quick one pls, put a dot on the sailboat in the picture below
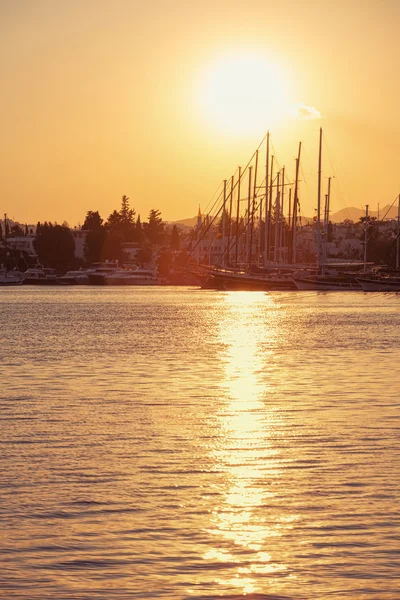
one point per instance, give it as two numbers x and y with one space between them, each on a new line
337 277
253 248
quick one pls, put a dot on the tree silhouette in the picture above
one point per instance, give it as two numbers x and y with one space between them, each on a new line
123 221
155 228
95 238
55 246
175 240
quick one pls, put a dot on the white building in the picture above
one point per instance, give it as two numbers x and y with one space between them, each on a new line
79 236
23 243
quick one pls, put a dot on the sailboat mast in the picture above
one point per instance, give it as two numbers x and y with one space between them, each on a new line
237 216
295 203
281 213
270 207
230 220
277 219
224 222
398 236
267 216
253 208
249 217
365 238
319 199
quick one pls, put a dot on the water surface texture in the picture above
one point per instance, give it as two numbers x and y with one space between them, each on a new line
185 444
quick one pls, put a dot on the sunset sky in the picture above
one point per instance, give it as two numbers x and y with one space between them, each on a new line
161 100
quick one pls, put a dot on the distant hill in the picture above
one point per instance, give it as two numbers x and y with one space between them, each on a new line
354 213
189 222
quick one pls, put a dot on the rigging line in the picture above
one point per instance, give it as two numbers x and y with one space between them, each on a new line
206 229
213 196
218 198
336 173
384 217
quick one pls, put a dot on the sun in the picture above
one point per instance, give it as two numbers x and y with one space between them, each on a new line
244 93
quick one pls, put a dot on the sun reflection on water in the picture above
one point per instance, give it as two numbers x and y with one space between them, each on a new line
245 452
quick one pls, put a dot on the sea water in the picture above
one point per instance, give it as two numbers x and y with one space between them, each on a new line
187 444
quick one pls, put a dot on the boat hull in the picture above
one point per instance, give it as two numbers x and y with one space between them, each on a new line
33 281
97 279
326 286
371 285
248 284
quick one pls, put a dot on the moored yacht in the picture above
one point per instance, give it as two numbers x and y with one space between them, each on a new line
11 277
80 277
223 279
117 276
39 275
379 284
327 283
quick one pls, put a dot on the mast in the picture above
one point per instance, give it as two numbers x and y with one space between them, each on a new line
237 216
249 217
266 220
253 209
326 226
224 223
230 220
295 203
281 213
319 199
365 238
276 219
398 236
270 208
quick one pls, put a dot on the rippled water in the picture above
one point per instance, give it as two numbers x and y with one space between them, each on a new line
176 443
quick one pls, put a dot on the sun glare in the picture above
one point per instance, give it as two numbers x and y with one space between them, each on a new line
244 94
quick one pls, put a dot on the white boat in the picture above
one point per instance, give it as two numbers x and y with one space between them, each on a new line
328 284
11 277
118 276
380 284
80 277
39 275
223 279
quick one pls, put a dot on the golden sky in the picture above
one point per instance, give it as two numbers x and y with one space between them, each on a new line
161 100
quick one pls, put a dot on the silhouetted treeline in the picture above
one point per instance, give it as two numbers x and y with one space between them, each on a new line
104 240
55 246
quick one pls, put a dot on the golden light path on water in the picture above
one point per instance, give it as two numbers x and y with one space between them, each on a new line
246 450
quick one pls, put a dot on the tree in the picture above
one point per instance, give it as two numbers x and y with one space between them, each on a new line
123 221
164 263
175 241
92 221
55 246
155 228
139 235
95 238
16 230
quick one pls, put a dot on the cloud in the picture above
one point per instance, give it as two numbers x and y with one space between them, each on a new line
303 112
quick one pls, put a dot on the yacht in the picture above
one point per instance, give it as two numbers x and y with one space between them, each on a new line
39 275
80 277
118 276
380 284
11 277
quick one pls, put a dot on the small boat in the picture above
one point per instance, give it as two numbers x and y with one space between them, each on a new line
80 277
119 276
11 277
222 279
380 284
328 284
39 275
